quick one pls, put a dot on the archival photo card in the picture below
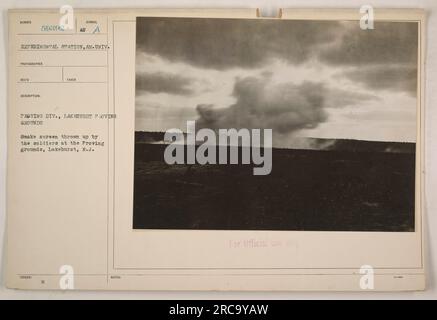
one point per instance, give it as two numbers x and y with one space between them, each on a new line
214 149
275 124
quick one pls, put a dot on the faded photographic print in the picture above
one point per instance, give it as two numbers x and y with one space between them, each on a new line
271 124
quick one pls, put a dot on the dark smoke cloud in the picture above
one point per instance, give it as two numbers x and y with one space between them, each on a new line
284 107
163 82
228 43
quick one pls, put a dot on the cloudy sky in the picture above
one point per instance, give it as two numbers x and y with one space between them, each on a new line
323 79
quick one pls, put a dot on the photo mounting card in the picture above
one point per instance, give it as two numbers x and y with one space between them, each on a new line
213 149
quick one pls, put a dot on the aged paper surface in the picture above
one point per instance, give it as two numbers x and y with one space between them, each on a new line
75 104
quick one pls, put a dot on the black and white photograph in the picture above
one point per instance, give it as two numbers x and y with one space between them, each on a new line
319 120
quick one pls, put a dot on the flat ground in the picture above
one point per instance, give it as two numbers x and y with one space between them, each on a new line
306 190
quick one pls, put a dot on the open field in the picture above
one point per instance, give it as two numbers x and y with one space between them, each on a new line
306 190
